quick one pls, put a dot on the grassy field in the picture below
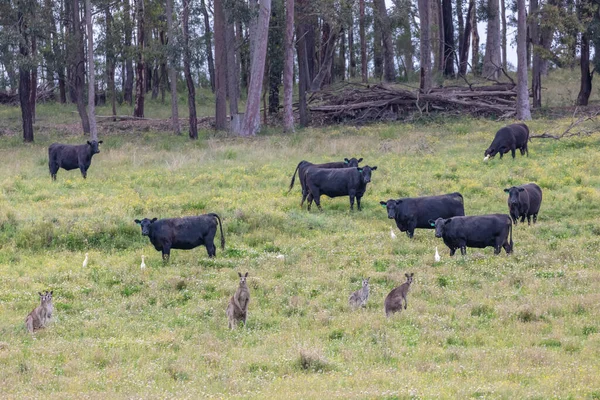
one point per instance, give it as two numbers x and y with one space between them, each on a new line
481 326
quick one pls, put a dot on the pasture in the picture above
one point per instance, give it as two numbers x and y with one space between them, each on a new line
481 326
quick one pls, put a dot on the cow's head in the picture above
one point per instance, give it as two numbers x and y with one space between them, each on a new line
440 226
145 224
365 173
391 206
94 145
243 278
490 152
352 162
513 195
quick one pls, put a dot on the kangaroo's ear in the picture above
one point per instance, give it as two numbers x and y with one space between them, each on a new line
412 274
40 293
137 221
52 291
406 275
239 274
506 190
154 219
368 279
360 159
245 276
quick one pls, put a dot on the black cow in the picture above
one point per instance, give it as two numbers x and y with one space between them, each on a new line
475 231
337 182
69 157
304 165
524 201
182 233
415 212
510 138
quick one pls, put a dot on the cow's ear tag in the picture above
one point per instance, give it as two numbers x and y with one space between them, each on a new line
383 205
432 223
360 170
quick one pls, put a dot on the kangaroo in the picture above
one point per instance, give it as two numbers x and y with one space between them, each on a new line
393 301
237 310
40 316
360 297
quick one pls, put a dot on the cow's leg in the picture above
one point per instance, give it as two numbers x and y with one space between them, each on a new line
53 170
83 170
211 249
513 151
304 196
528 219
534 218
452 251
463 247
506 246
497 249
166 253
523 218
318 203
358 203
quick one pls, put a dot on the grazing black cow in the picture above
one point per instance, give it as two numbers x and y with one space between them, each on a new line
415 212
182 233
524 201
69 157
475 231
304 165
510 138
337 182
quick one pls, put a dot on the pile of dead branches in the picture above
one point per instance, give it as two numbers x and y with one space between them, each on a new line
359 103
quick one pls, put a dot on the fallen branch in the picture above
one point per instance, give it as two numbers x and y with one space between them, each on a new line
574 123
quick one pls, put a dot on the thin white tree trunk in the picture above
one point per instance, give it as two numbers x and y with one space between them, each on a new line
251 123
288 68
523 112
91 72
172 71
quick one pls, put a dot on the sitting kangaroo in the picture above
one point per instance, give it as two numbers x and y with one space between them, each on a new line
40 316
360 297
393 301
237 310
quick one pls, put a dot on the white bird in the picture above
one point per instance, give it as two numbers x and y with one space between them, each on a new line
437 255
85 262
392 234
143 264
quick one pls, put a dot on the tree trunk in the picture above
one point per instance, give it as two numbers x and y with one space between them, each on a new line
208 42
546 34
233 73
91 71
436 33
523 112
25 78
475 44
310 26
503 16
536 77
140 88
461 26
33 86
172 71
351 50
325 69
377 48
220 67
464 53
425 46
288 68
155 79
363 43
187 55
386 37
110 61
303 71
449 49
128 28
492 58
585 88
79 68
275 54
251 124
341 61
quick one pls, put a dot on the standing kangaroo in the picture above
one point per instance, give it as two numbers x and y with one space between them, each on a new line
360 297
393 301
237 310
40 316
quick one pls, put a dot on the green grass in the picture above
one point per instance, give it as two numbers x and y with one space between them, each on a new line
519 326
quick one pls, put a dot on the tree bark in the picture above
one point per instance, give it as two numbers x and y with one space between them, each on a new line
461 25
351 50
79 68
363 42
288 68
449 49
128 28
188 74
341 61
233 73
251 123
91 72
140 88
220 67
503 17
475 45
33 86
377 48
303 70
172 66
389 70
25 78
208 42
326 63
492 58
110 61
523 112
275 54
425 46
464 53
536 78
585 88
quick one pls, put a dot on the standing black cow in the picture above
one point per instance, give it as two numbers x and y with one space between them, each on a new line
337 182
524 201
510 138
304 165
182 233
69 157
415 212
475 231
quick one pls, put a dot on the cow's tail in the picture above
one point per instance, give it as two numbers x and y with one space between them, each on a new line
221 227
294 177
510 227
